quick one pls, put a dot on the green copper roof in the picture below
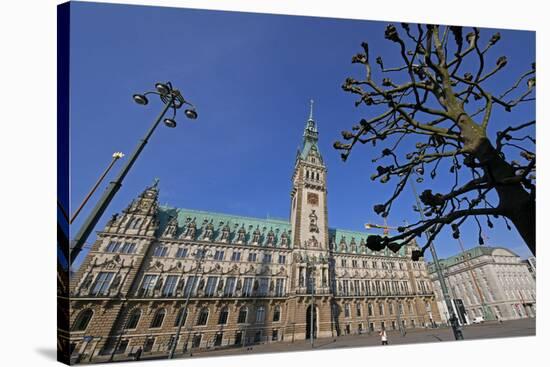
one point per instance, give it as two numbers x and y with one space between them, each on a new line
354 242
267 229
311 136
270 230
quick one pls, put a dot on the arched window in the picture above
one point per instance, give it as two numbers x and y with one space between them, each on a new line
243 315
82 321
203 316
224 313
182 313
277 314
317 176
133 319
307 174
158 318
260 314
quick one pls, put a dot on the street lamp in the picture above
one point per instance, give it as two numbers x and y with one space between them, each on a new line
200 255
172 99
453 319
116 156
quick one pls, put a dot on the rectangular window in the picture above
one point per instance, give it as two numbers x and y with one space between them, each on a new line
236 256
128 248
190 286
279 288
275 334
102 283
260 314
149 343
346 287
197 340
112 246
219 255
354 263
229 286
182 252
343 262
266 259
170 286
247 287
211 286
263 286
365 264
282 259
160 251
121 348
252 257
148 284
358 309
357 287
347 311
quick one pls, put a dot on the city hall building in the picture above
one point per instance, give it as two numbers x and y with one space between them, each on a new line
244 280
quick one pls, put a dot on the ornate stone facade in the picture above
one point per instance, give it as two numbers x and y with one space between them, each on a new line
247 280
488 282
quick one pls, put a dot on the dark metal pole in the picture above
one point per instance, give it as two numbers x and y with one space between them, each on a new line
116 156
114 186
452 317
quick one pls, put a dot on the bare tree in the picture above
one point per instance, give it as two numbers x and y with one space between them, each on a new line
447 111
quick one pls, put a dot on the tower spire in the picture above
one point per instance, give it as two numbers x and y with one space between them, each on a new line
311 110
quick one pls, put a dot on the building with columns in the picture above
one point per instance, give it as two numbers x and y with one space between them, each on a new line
489 282
244 280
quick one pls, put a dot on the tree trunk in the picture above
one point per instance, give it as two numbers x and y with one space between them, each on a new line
515 202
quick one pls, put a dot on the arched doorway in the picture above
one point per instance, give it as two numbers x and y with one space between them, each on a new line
308 323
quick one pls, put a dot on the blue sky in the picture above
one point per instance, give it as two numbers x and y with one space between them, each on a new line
251 77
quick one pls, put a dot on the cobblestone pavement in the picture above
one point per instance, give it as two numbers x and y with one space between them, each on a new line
515 328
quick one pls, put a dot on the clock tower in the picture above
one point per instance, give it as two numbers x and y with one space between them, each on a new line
308 215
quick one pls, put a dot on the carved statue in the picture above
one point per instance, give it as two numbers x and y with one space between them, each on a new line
201 284
313 222
115 282
312 242
87 282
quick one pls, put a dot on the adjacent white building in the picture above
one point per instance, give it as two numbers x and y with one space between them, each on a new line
489 282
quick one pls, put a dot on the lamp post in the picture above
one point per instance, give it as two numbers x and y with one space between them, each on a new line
172 99
457 332
116 156
199 256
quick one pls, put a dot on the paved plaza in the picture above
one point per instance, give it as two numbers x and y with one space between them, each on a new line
515 328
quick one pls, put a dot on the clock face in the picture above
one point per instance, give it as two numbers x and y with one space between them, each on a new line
312 198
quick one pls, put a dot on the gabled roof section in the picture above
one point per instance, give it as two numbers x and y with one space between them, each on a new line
354 242
271 231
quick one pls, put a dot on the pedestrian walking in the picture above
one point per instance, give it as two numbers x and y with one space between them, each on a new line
383 336
137 355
